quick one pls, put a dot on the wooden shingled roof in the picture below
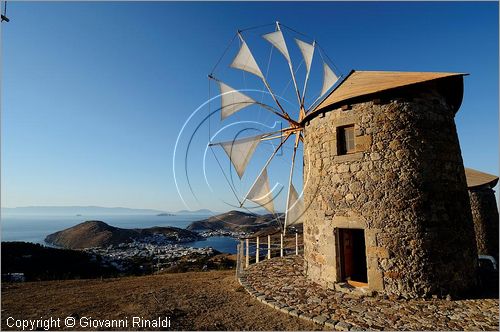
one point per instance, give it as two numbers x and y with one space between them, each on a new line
476 178
360 83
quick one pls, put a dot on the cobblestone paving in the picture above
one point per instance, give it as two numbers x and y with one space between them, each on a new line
280 283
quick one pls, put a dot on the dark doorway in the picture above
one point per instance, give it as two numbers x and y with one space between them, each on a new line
353 256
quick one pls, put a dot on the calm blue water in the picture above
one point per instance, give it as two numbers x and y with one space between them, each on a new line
221 243
31 228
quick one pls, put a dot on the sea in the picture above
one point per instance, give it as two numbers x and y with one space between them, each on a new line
34 228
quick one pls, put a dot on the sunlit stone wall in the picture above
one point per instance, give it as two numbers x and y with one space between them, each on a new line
404 185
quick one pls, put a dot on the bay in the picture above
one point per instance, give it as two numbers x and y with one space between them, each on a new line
34 228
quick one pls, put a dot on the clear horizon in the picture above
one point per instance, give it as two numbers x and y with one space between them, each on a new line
95 94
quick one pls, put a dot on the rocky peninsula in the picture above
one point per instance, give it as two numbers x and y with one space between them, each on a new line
94 233
236 223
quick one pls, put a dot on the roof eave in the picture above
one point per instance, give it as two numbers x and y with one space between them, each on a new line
313 113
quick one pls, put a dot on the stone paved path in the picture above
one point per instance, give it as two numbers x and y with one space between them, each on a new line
280 283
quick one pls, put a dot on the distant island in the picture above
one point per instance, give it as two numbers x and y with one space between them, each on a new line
200 212
94 233
97 210
79 210
196 212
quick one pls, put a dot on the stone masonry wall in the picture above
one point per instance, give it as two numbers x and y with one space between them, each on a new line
405 186
485 216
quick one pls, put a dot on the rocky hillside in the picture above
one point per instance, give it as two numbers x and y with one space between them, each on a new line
194 301
235 221
38 262
95 233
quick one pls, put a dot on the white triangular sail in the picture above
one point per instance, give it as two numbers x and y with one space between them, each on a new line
260 192
329 78
295 208
307 51
278 41
240 152
232 100
244 60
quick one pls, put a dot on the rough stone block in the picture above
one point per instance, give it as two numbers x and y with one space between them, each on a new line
348 157
379 252
278 305
330 323
371 237
363 143
343 168
346 120
372 262
375 280
305 316
319 319
392 274
375 156
285 309
342 326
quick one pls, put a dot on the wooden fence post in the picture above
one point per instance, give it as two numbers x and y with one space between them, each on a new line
247 258
269 247
281 245
257 251
238 252
240 256
296 244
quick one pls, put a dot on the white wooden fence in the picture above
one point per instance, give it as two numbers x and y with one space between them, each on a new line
253 250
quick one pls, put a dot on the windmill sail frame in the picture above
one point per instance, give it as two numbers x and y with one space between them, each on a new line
240 151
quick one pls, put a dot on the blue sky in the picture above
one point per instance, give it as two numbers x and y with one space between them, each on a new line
94 95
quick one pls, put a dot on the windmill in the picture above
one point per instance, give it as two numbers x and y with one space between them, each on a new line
240 151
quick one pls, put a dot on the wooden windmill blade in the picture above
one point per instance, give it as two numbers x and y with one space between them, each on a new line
240 151
329 80
307 51
278 41
245 61
261 183
294 204
295 208
234 100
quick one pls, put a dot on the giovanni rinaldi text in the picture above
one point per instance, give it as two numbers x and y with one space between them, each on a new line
86 322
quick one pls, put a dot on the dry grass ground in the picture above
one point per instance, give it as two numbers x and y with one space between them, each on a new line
193 301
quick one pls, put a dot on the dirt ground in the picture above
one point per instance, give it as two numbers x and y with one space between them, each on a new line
194 301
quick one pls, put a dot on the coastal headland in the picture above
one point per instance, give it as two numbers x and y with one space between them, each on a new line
110 251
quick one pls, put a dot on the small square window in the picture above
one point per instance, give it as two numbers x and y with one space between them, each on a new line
345 139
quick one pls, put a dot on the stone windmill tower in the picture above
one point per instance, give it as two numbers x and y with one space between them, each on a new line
484 210
387 206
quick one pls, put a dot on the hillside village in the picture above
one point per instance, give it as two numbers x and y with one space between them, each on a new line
159 256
